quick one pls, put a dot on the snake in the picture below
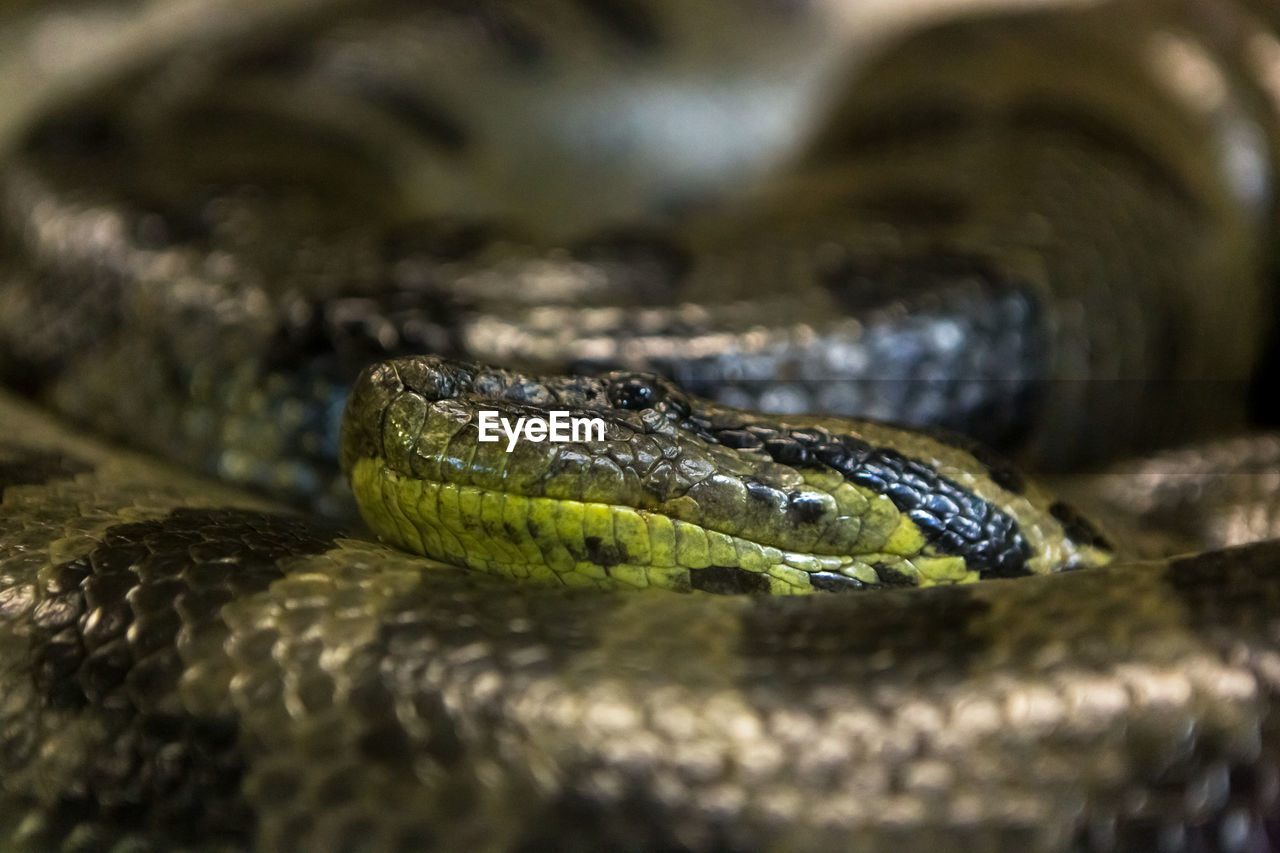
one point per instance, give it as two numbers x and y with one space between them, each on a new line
786 252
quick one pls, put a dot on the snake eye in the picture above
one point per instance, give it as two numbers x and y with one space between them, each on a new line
633 393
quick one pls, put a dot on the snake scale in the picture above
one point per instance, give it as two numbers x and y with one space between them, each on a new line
1050 225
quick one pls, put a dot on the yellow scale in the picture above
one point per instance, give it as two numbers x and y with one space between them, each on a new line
545 540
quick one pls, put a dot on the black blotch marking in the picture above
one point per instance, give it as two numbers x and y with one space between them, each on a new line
394 747
631 245
197 124
954 520
521 44
828 639
1264 403
437 240
728 580
832 582
804 508
916 208
889 576
159 224
999 469
578 819
346 333
601 554
865 282
891 129
680 583
649 265
86 131
28 466
428 120
1152 833
276 59
104 642
627 20
1077 527
1230 594
1095 131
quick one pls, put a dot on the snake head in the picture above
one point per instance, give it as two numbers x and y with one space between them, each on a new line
677 492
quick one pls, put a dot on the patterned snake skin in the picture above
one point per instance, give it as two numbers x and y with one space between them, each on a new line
1048 224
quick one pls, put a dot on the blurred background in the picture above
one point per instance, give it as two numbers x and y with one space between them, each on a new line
1047 225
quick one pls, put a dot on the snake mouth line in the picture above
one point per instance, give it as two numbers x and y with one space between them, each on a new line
579 543
678 493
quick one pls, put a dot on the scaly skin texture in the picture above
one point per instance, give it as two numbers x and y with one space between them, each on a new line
684 494
185 668
909 211
1049 222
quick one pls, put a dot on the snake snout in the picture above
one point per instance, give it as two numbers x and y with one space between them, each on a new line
361 435
428 378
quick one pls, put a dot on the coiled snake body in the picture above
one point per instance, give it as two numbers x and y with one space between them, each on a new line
1047 224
